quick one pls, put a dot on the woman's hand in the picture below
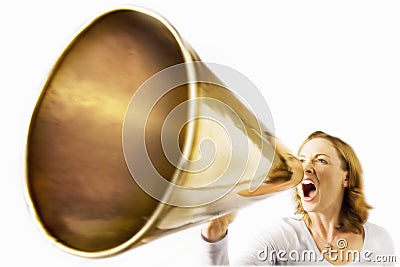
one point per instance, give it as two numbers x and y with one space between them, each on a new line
216 229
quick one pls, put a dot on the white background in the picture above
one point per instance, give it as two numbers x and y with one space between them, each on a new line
321 65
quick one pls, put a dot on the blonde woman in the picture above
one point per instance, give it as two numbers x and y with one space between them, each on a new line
331 226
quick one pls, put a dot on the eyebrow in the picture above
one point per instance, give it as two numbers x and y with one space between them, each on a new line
316 155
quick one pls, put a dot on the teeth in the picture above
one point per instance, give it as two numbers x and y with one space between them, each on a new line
307 182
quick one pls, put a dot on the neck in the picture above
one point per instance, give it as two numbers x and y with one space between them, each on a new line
325 220
324 224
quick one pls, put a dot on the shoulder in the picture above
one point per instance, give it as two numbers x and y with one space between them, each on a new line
292 223
375 236
376 230
285 225
282 232
274 237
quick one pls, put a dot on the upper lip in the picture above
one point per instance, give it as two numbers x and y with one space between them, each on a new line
309 179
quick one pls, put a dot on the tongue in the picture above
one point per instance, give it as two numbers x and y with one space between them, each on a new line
312 193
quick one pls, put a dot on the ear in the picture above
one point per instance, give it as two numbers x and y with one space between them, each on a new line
346 181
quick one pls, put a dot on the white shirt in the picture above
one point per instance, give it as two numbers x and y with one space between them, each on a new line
290 243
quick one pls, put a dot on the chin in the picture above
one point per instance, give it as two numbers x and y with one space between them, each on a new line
308 207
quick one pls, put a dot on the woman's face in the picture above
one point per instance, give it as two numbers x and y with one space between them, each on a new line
323 184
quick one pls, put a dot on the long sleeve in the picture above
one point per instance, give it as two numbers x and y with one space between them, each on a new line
262 249
215 253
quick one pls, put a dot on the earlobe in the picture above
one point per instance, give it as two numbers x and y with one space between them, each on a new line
345 181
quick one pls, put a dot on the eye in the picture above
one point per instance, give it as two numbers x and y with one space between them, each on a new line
321 161
302 160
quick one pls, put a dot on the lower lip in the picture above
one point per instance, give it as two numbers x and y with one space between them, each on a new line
309 199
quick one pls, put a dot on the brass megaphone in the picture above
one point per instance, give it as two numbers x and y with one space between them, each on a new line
104 170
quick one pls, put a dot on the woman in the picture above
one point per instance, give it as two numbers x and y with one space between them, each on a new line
331 226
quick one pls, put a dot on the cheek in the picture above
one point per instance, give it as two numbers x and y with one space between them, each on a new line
329 177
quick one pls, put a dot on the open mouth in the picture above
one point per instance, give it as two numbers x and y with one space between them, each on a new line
309 189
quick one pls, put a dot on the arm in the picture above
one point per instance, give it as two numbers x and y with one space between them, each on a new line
261 250
215 239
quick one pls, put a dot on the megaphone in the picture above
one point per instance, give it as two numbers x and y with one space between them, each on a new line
134 137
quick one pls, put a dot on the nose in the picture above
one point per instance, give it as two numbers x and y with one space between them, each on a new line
308 167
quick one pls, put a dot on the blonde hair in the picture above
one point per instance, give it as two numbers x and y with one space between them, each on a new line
354 211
